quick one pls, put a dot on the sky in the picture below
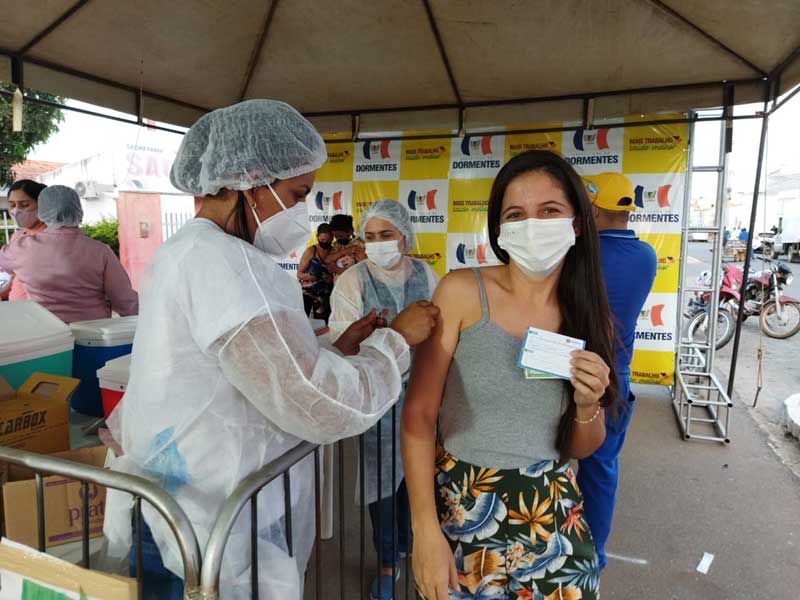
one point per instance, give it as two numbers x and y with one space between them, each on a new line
83 135
80 135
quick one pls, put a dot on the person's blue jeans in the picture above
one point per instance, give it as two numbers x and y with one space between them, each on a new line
390 525
158 583
598 476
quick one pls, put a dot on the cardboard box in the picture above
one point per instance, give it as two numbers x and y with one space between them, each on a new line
26 575
63 503
36 416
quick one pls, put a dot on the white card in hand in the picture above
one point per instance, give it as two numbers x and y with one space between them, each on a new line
549 352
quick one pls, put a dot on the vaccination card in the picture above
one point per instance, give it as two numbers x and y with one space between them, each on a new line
548 353
534 374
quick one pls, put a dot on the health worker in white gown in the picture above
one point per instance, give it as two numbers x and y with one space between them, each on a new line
227 374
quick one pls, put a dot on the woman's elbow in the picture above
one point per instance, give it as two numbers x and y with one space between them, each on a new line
580 454
415 420
585 448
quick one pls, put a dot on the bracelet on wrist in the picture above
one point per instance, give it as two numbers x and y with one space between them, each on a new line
593 417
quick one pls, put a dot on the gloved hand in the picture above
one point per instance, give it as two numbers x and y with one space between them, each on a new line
349 342
416 322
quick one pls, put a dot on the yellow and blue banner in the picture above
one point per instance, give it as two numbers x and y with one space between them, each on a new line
445 184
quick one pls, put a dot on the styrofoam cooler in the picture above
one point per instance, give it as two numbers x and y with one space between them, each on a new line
32 339
96 343
113 382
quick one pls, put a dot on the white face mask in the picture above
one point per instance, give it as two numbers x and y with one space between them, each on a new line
384 254
284 231
537 246
24 218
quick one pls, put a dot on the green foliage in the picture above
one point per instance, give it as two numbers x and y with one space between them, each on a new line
39 122
106 231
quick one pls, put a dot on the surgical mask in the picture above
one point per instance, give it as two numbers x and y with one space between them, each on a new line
537 246
25 218
284 231
384 254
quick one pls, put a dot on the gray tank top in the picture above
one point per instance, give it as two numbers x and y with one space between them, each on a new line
491 416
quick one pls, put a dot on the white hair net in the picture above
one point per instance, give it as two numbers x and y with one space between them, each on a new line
246 145
60 206
396 214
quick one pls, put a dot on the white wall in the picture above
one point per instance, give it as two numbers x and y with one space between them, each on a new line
138 163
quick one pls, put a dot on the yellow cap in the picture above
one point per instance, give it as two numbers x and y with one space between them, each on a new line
610 191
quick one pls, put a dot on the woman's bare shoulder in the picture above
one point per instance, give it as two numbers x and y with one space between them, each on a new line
459 280
458 297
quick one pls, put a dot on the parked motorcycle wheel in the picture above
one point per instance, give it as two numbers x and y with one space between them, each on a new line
784 326
697 327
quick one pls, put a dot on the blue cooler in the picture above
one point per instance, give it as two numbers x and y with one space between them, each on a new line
96 343
32 339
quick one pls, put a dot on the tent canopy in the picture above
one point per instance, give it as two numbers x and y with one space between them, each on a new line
404 64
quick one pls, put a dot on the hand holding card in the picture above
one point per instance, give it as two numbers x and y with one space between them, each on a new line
590 377
549 352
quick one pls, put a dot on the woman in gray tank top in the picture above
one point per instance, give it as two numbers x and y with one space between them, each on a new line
495 508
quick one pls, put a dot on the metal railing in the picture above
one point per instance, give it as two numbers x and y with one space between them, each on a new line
140 489
247 492
7 228
203 570
324 466
171 222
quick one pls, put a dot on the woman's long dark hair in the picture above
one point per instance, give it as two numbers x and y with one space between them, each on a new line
581 289
30 188
239 217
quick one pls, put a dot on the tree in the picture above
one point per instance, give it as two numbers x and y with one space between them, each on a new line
106 231
39 122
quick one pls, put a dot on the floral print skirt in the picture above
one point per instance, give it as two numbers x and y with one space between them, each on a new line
516 534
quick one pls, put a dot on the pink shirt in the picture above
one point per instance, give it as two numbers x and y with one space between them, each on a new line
74 277
17 291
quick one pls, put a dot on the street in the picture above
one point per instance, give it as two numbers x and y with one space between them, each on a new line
780 375
679 500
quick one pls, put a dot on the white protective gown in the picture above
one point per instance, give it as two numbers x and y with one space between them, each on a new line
347 298
358 290
226 376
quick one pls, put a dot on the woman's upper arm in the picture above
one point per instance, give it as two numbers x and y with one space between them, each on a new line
433 278
305 261
432 358
7 256
333 256
117 286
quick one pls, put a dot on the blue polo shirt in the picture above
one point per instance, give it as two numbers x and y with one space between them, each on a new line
629 269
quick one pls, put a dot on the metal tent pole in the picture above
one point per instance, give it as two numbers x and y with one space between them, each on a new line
751 232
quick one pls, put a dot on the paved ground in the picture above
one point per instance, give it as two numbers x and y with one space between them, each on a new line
680 499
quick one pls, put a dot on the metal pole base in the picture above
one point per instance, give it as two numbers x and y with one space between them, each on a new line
701 406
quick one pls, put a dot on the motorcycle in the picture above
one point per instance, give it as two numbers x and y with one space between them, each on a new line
779 314
698 309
